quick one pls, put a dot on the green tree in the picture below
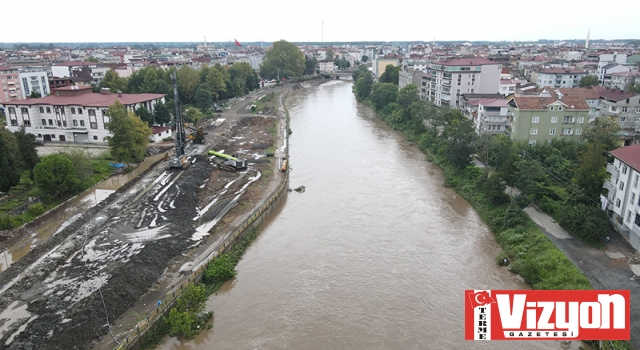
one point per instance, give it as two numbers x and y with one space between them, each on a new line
361 71
9 169
602 133
27 147
246 76
56 175
493 189
284 58
588 81
310 65
129 135
406 96
145 115
34 94
382 94
161 113
591 171
363 86
365 58
203 98
188 80
589 223
81 160
391 74
216 84
330 54
530 174
192 115
185 319
113 81
219 270
91 59
460 138
150 81
634 89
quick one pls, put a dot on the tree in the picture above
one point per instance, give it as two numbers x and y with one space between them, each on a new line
362 70
150 81
602 134
56 175
9 170
588 81
34 94
27 147
634 89
215 82
330 54
203 98
145 115
129 135
113 81
161 113
382 94
283 59
591 171
493 189
529 175
365 58
391 74
91 59
460 138
363 86
406 96
192 115
184 318
188 80
310 65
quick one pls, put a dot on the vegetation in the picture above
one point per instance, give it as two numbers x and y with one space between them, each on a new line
391 74
187 319
588 81
56 175
9 170
284 59
129 134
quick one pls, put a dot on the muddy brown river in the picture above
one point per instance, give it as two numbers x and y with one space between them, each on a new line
375 254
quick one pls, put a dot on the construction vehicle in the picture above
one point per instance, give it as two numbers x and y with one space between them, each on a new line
179 159
229 163
196 135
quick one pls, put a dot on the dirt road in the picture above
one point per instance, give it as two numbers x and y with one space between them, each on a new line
137 243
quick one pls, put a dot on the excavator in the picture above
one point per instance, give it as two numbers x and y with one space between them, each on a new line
230 163
196 135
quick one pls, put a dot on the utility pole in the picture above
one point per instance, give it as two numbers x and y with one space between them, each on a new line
322 33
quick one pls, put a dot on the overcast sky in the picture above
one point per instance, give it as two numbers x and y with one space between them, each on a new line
296 20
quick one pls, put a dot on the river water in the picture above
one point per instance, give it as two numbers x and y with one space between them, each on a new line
376 254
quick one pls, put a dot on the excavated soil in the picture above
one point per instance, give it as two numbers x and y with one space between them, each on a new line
51 298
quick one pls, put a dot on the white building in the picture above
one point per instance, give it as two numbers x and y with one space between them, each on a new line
509 86
493 117
455 77
326 66
72 113
608 58
560 77
34 82
624 192
159 133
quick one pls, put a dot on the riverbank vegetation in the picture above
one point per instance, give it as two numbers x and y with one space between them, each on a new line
187 318
563 178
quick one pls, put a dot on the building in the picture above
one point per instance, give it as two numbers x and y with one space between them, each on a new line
34 82
66 69
455 77
493 117
381 63
509 86
624 192
623 107
539 119
10 82
159 133
621 80
326 66
72 113
605 59
560 77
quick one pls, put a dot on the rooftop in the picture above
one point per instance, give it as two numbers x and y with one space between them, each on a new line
629 155
473 61
88 100
562 71
613 94
534 102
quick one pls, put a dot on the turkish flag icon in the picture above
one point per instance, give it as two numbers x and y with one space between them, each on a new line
480 298
237 43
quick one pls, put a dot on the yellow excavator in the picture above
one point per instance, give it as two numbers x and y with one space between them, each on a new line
196 135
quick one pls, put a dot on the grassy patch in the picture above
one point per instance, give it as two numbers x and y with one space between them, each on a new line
265 104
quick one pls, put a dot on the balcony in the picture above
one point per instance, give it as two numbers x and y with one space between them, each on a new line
612 190
612 169
446 83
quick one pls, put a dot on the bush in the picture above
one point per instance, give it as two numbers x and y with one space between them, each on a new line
588 223
185 318
36 209
521 201
511 217
219 270
548 205
8 221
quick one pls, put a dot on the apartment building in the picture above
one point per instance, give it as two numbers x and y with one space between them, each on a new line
538 119
34 82
380 63
623 107
10 84
72 113
455 77
560 77
493 117
605 59
623 195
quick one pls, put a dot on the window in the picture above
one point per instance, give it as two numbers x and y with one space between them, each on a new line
637 119
73 110
621 186
552 131
95 137
568 119
635 181
81 122
39 136
554 119
633 198
50 122
41 109
533 131
551 108
618 203
623 119
624 169
532 142
623 109
79 110
53 136
629 216
580 119
578 131
535 120
92 112
637 220
566 131
559 108
44 122
94 125
75 122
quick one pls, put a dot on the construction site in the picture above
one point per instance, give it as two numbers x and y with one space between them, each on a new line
92 277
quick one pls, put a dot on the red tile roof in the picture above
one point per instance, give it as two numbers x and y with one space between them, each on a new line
614 95
159 129
88 100
494 103
535 102
3 68
473 61
629 155
75 63
562 71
